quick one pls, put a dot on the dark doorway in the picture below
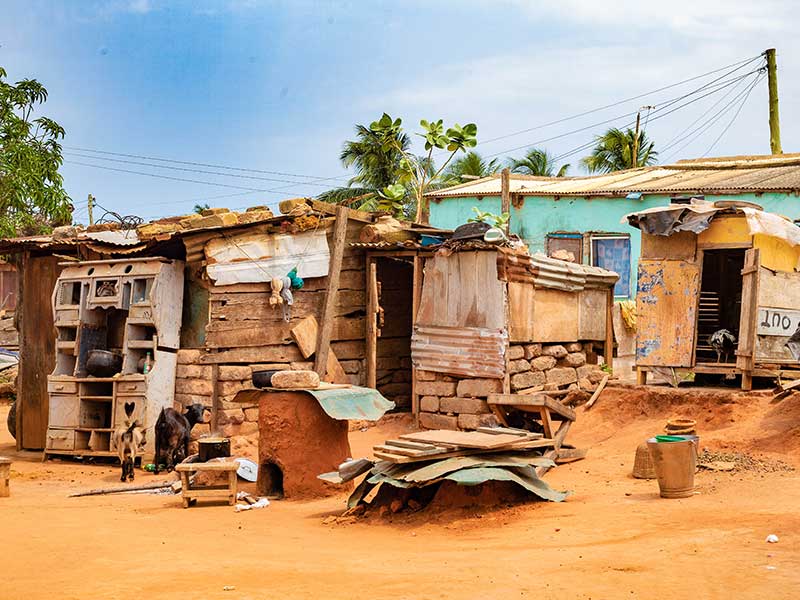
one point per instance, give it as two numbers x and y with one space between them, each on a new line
393 363
720 301
270 481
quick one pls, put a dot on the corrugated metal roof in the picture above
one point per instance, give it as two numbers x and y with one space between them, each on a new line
729 175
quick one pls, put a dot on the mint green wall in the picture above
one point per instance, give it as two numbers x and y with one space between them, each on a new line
540 215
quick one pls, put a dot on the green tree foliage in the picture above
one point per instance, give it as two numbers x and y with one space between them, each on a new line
376 168
614 151
388 175
199 208
32 196
537 162
473 165
418 174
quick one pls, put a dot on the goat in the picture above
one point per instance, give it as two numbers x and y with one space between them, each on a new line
128 438
173 431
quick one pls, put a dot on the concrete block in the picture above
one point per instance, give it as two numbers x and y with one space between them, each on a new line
429 404
235 373
518 366
562 376
467 421
515 352
479 387
250 414
533 350
474 406
193 371
556 350
543 363
230 417
437 421
436 388
574 359
521 381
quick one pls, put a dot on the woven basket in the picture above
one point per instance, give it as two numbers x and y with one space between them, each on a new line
643 464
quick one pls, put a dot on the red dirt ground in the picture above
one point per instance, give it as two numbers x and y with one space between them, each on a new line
613 538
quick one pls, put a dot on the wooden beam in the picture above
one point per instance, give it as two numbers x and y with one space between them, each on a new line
600 387
416 294
334 271
608 349
505 194
540 400
215 403
372 323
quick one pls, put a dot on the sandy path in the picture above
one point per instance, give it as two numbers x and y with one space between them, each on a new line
614 538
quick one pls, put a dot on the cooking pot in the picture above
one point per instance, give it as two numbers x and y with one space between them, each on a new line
103 363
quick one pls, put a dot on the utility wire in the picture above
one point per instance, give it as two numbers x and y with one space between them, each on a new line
224 185
738 65
716 85
200 164
186 169
709 123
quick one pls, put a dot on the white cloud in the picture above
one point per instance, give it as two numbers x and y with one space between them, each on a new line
140 6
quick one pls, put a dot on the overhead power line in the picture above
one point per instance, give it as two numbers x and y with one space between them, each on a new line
203 171
201 164
224 185
739 65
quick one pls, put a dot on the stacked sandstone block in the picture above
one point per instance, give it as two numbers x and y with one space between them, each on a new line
448 402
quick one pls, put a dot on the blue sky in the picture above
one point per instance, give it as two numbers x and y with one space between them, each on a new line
277 86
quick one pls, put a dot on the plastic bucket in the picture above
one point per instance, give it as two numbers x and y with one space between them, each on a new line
675 464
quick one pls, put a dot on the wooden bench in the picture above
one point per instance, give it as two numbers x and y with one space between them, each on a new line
192 492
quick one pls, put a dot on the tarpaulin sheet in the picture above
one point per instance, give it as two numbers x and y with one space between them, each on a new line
524 476
697 216
666 220
258 258
353 403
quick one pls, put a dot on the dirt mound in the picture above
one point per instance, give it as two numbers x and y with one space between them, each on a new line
727 419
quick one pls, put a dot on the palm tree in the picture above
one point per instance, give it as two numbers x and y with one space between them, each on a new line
377 166
537 162
614 151
472 165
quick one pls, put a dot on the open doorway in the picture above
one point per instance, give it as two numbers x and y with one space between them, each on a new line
720 306
393 349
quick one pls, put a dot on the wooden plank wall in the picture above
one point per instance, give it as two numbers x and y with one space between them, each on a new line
776 290
666 307
37 348
462 290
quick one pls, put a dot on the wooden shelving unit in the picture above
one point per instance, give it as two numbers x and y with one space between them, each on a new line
129 306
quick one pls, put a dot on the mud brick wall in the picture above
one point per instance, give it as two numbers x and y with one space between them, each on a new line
448 402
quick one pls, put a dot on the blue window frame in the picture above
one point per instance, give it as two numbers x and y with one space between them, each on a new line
613 252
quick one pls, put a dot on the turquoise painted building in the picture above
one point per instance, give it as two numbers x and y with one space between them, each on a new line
584 215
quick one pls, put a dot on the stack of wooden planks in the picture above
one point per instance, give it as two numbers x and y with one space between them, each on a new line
444 443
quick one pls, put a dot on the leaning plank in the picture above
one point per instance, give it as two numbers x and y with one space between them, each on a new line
305 335
600 387
533 400
510 431
466 439
324 337
411 445
526 445
567 455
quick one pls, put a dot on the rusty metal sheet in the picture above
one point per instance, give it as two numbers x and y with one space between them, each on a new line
467 351
353 403
666 307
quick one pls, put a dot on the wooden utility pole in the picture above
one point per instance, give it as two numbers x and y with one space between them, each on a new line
635 155
774 118
90 205
505 195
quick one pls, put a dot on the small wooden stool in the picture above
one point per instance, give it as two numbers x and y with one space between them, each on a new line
192 493
5 475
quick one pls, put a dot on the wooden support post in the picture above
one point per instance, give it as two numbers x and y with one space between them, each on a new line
746 348
334 272
774 118
372 324
416 294
505 194
215 403
608 350
641 376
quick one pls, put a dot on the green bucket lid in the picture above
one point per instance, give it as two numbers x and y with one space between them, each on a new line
670 438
